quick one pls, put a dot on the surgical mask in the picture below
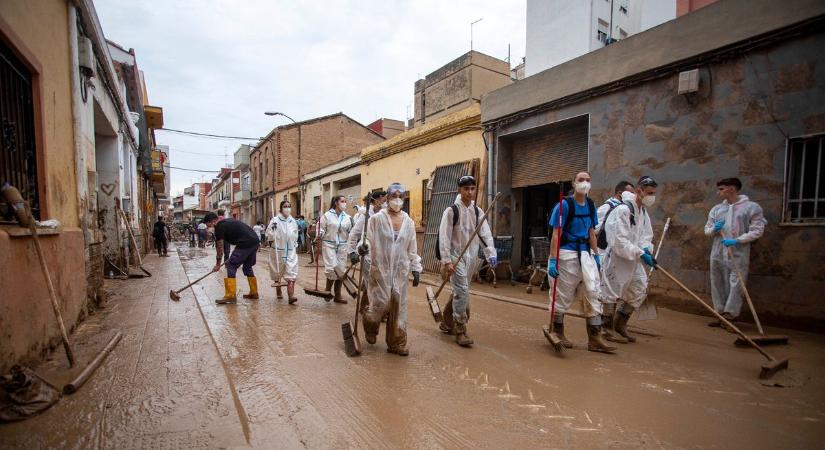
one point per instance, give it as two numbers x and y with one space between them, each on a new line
649 200
583 187
343 206
396 204
287 211
628 196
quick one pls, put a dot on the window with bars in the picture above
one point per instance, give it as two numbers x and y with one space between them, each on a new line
805 186
18 152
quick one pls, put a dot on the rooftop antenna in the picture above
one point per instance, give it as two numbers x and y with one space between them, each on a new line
471 31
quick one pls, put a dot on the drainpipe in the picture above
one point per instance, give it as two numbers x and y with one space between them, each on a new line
490 183
77 129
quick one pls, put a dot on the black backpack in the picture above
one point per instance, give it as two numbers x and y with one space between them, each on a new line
602 237
455 222
570 206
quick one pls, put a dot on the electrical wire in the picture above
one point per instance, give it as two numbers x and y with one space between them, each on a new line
207 135
195 170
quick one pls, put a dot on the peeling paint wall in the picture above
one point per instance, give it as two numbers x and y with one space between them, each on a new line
736 125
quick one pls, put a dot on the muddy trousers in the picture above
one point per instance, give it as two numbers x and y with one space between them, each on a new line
241 257
724 286
576 269
396 331
161 245
461 292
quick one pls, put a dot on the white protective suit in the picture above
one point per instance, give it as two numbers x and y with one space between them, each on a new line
451 241
282 233
624 273
334 233
744 222
392 261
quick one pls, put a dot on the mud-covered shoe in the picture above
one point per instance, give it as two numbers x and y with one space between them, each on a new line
229 295
461 337
594 340
400 351
371 338
621 326
446 329
558 329
253 289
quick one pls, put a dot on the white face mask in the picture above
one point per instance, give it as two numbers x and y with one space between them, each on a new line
343 206
396 204
628 196
287 211
583 187
649 200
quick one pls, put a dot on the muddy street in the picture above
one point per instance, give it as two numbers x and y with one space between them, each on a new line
265 374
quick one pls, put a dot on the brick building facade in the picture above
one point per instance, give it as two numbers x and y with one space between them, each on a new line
289 151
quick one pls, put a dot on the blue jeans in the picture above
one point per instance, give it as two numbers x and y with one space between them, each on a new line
241 257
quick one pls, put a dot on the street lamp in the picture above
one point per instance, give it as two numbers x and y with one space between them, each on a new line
276 113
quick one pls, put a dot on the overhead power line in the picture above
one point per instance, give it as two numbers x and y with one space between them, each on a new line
195 170
207 135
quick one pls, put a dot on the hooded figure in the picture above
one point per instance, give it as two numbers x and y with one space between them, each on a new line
334 232
394 254
733 226
457 225
282 233
629 233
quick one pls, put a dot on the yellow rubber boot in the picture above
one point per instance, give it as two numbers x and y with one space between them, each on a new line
229 286
253 289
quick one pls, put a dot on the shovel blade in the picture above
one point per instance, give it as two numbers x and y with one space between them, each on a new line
770 369
553 338
435 309
763 340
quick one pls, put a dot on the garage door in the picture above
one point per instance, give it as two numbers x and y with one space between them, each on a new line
551 153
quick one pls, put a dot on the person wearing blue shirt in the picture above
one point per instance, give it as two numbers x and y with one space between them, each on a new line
577 262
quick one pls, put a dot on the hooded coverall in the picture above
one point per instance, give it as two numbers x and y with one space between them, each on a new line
624 274
394 256
282 233
352 246
451 241
744 222
334 232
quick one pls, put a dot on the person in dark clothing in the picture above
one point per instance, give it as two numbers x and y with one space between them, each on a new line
226 248
245 240
161 234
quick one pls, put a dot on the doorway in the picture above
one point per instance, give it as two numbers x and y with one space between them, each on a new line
539 202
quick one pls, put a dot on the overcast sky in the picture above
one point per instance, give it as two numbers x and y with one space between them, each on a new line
216 66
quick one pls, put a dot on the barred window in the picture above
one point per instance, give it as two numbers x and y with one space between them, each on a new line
18 152
804 185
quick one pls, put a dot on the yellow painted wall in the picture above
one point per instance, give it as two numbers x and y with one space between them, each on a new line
413 166
43 27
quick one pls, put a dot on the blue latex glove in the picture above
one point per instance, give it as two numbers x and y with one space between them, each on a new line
647 250
729 242
598 259
552 269
717 227
493 261
648 259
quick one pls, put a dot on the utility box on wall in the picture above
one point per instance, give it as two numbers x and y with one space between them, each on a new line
689 81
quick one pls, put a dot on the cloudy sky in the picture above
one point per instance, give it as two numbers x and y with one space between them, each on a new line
216 66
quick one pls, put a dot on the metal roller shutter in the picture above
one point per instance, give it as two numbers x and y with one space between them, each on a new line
444 190
550 154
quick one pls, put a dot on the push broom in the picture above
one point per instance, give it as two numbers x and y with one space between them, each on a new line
326 295
762 338
770 368
549 333
352 343
432 298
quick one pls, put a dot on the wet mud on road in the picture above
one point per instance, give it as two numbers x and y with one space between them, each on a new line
267 374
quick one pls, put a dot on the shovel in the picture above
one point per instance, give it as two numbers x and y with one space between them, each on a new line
770 368
175 295
549 334
352 344
432 298
763 339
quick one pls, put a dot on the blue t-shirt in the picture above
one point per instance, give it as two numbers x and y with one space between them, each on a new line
579 228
